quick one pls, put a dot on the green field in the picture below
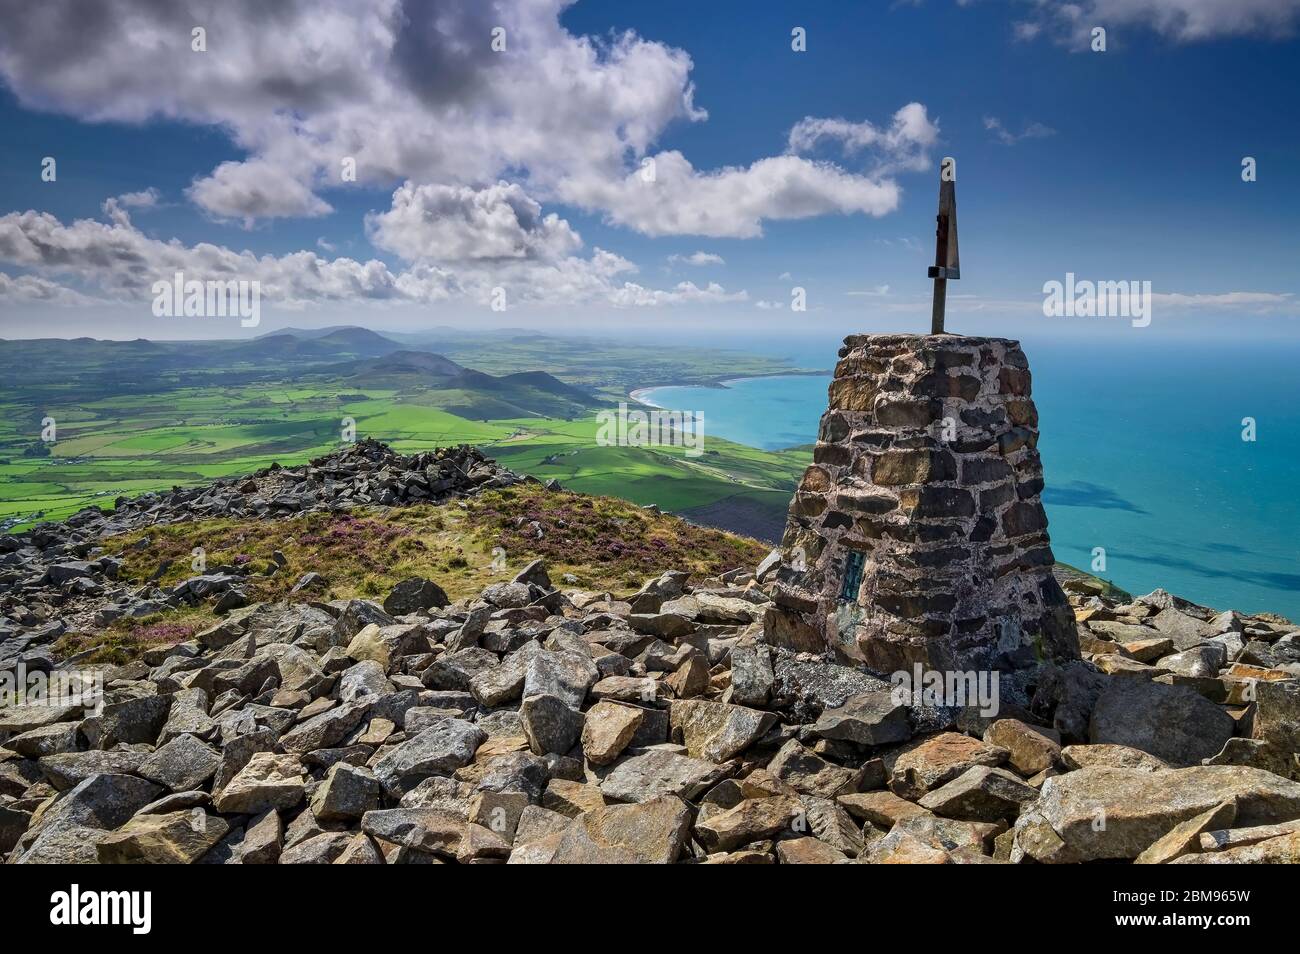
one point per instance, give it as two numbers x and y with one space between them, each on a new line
166 423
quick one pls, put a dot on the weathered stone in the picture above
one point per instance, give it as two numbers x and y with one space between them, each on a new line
1138 808
438 750
326 729
324 848
348 792
691 678
565 675
571 799
957 840
807 851
872 718
177 838
926 764
1111 756
811 774
1185 631
263 840
1031 749
498 811
550 724
640 778
1200 661
980 794
267 781
364 680
183 764
652 832
882 809
69 769
1284 850
1172 723
716 731
413 595
751 675
424 829
752 820
1185 836
608 729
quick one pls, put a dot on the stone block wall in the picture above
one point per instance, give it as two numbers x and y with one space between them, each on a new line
926 483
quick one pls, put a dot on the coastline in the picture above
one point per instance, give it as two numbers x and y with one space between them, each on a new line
637 394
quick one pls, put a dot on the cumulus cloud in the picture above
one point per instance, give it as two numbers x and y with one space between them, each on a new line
255 189
698 259
144 199
1182 21
732 202
412 91
32 288
458 245
124 262
904 144
457 223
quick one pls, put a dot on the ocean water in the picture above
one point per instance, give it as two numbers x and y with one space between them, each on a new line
1143 456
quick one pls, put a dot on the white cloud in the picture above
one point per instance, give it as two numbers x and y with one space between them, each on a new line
32 288
905 144
698 259
1236 299
684 292
256 189
732 202
449 256
456 223
413 92
1183 21
145 199
1034 130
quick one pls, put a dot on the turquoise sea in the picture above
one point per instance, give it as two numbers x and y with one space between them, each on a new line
1143 453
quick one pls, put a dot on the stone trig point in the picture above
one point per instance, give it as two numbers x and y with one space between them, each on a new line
918 533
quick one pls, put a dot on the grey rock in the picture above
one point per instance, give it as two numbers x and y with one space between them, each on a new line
1172 723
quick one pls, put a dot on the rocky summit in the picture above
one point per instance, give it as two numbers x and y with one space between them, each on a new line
669 723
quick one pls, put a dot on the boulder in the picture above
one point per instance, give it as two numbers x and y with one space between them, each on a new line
1173 723
438 750
413 595
716 731
176 838
550 724
1185 836
1031 749
980 793
870 718
267 781
928 763
608 729
1108 813
656 772
654 831
754 819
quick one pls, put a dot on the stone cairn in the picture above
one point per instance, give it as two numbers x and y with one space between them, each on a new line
918 534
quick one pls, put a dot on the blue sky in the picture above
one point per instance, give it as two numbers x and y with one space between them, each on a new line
1131 170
